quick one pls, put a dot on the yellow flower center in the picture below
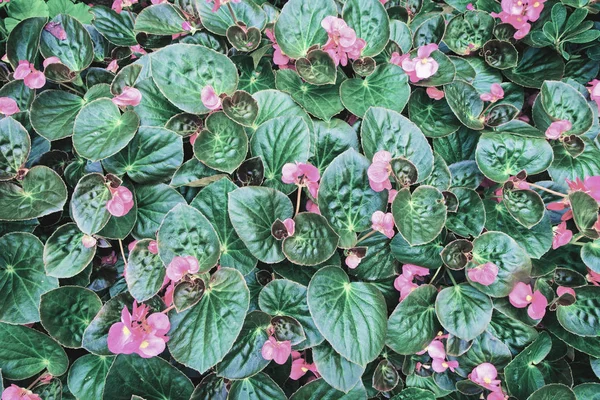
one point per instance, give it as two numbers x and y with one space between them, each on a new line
424 61
528 298
144 344
536 4
126 331
519 3
445 364
304 369
487 380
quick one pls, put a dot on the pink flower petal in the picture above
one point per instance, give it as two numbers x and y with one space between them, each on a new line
8 106
129 97
521 295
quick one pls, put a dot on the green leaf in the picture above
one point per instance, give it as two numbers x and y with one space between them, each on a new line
522 376
40 193
154 108
76 51
245 358
566 166
588 345
386 87
500 156
22 278
561 101
317 68
344 311
414 393
590 255
469 218
280 141
589 391
116 28
20 10
465 174
80 11
485 348
535 67
53 113
241 107
64 253
101 130
218 21
253 210
413 324
465 103
581 318
345 197
340 373
463 311
515 334
87 376
553 392
330 139
433 117
181 71
401 35
25 352
67 311
370 21
431 30
273 104
321 101
313 242
257 387
186 232
23 41
211 388
427 255
209 202
160 19
149 378
153 203
88 204
282 297
220 314
320 390
388 130
420 216
468 32
299 26
222 145
153 155
500 54
379 262
526 206
145 272
585 213
15 146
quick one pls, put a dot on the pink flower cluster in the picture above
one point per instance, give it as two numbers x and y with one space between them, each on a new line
486 375
210 98
484 274
276 351
128 97
14 392
519 13
383 222
121 202
118 5
404 283
342 43
380 170
181 266
437 352
421 67
522 296
139 333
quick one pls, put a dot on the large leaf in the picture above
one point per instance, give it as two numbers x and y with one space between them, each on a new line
335 369
88 204
15 145
370 21
561 101
500 156
313 242
433 117
53 113
555 391
413 324
76 51
464 101
469 218
463 311
522 375
388 130
40 193
536 66
186 232
257 387
181 71
64 253
222 145
145 271
160 19
149 378
526 206
87 376
299 25
420 216
345 197
23 41
585 344
468 32
22 278
101 130
581 317
220 314
386 87
253 210
247 12
153 202
344 311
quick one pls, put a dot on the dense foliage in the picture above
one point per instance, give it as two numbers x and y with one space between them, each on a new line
304 199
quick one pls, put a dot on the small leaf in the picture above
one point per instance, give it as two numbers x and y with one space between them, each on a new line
64 253
88 204
526 206
287 329
385 377
242 38
187 294
313 242
419 216
241 107
585 213
317 68
457 253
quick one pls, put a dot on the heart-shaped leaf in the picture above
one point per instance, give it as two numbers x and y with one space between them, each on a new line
468 32
64 253
88 204
469 218
76 51
581 318
317 68
241 107
500 54
24 40
187 294
464 101
242 38
522 375
248 13
335 369
456 254
370 21
526 206
116 28
313 242
85 367
15 145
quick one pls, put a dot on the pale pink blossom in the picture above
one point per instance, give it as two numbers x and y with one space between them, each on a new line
118 5
312 207
352 260
379 171
434 93
279 58
497 396
485 375
423 66
519 13
496 93
383 222
557 128
14 392
121 202
522 296
186 26
8 106
276 351
594 90
180 266
589 185
301 174
561 290
342 43
392 193
440 365
219 3
56 30
50 61
398 58
32 78
159 1
193 138
593 277
88 241
128 97
484 274
113 66
300 367
414 271
404 283
210 98
470 7
562 236
137 49
290 226
131 245
153 247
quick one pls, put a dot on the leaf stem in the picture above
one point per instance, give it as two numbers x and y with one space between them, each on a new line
366 236
166 310
449 273
547 190
298 199
39 378
436 274
232 13
123 253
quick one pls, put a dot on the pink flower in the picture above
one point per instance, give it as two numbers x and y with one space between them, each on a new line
484 274
131 245
113 66
219 3
404 285
485 375
411 271
496 93
301 174
562 236
118 5
56 30
392 193
422 66
440 365
14 392
557 128
276 351
521 297
593 277
110 259
590 185
594 90
153 247
497 396
564 290
193 138
121 202
379 171
186 26
50 61
8 106
279 58
159 1
137 49
32 78
312 207
470 7
300 367
342 43
290 225
352 260
137 333
88 241
518 12
129 97
181 265
434 93
397 58
210 99
436 350
383 223
168 297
